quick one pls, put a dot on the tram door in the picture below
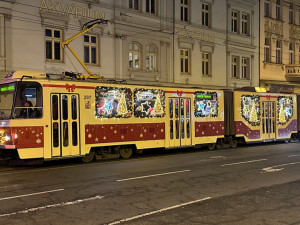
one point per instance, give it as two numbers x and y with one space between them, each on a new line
268 120
65 133
180 121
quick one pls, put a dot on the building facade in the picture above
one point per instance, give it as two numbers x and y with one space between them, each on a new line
280 45
206 43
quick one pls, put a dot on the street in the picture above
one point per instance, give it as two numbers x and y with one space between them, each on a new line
253 184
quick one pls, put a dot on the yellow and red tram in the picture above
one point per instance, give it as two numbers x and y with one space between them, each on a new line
49 118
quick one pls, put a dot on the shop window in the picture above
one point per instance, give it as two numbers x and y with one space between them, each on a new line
113 102
250 109
206 104
149 103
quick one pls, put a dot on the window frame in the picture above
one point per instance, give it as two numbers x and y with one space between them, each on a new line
206 64
133 5
150 55
235 66
134 53
149 4
245 24
206 14
185 60
53 40
185 11
235 21
278 10
267 49
291 14
245 68
278 51
90 45
291 53
267 11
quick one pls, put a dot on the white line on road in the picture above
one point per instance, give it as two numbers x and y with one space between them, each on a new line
272 168
159 211
16 185
52 206
252 161
294 155
37 193
154 175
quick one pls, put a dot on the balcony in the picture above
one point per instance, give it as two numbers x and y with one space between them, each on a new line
292 73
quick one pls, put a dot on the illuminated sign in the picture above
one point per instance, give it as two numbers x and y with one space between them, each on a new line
9 88
205 96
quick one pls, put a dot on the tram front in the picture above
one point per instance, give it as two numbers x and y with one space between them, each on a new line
20 113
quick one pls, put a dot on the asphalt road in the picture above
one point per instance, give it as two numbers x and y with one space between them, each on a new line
256 184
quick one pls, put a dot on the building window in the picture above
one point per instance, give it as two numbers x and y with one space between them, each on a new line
134 55
245 24
235 66
151 58
278 10
150 6
234 21
299 55
206 14
206 64
278 52
134 4
245 68
185 61
291 14
53 44
291 53
267 50
267 8
91 49
184 7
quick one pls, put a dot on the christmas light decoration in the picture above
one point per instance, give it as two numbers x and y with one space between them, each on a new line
250 109
122 107
284 109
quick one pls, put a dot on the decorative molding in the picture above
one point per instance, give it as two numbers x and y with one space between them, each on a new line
273 26
294 31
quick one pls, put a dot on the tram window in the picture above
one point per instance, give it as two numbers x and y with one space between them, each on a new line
171 130
182 108
55 107
263 126
187 105
55 134
177 129
65 134
188 128
74 134
29 98
250 109
176 108
74 107
206 104
149 103
171 108
65 106
182 129
113 102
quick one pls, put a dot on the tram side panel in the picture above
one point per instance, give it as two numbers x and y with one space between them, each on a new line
208 114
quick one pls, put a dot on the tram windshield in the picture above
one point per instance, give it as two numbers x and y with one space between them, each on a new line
28 101
7 92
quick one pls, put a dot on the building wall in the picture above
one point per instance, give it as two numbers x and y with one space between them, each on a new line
23 39
272 71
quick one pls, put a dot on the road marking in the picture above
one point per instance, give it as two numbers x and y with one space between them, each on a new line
16 185
294 155
252 161
272 168
98 197
154 175
37 193
159 211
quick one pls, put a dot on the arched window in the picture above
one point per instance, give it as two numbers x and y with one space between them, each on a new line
151 58
134 55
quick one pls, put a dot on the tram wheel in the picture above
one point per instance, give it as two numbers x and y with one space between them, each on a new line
211 146
88 157
126 152
233 143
